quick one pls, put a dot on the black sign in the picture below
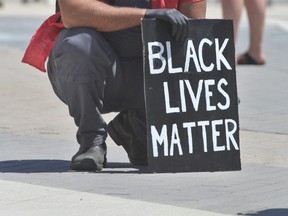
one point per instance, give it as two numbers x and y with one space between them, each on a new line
191 97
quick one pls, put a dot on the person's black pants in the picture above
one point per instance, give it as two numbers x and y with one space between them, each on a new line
95 73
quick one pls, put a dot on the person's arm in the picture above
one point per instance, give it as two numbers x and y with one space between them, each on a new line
98 15
195 10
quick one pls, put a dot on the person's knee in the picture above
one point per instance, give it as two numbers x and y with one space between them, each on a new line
80 55
76 43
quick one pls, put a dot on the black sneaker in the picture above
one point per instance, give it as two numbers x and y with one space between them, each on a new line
91 159
123 129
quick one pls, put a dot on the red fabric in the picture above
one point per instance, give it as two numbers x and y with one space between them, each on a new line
168 3
42 42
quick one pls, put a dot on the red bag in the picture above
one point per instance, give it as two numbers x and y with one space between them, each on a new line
42 42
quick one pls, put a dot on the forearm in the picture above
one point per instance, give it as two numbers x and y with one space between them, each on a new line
196 10
98 15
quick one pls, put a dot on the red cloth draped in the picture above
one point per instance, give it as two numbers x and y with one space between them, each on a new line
42 42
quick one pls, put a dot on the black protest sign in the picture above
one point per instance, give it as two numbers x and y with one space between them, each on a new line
191 97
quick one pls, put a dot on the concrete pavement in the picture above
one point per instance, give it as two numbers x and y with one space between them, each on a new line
37 142
45 201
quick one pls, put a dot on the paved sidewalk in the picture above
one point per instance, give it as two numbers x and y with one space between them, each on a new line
37 142
46 200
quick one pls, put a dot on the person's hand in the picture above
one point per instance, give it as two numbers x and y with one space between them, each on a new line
174 17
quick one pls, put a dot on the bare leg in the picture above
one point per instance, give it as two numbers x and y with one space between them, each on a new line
256 17
232 9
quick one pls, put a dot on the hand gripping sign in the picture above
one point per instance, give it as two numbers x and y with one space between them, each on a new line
191 97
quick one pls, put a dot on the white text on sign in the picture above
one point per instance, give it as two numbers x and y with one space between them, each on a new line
156 52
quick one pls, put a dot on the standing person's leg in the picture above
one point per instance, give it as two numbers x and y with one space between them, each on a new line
256 15
78 67
232 9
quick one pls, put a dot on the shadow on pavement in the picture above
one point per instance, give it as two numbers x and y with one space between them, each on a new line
53 166
268 212
34 166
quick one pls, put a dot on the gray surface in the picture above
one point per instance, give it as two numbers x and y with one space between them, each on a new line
10 36
263 90
37 142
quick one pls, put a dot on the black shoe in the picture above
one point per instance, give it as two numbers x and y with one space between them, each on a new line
91 159
128 129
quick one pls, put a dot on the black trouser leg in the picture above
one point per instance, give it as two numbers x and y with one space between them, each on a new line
78 68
